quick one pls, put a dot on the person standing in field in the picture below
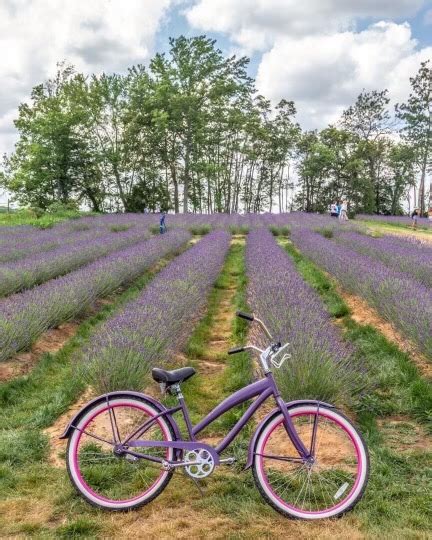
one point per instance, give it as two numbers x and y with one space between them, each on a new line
334 209
343 214
414 218
162 225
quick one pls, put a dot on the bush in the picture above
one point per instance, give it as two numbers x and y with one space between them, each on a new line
120 228
280 231
239 229
327 232
63 208
200 229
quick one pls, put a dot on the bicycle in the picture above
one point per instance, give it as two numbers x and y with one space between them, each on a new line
307 458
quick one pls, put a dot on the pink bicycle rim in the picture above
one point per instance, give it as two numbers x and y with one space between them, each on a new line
359 470
75 458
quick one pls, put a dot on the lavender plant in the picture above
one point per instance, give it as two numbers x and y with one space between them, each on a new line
41 267
404 255
321 366
149 330
423 223
402 301
24 316
18 248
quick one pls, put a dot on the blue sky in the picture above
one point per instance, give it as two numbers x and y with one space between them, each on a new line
320 53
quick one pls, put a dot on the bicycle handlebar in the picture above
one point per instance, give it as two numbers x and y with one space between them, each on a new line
236 350
244 315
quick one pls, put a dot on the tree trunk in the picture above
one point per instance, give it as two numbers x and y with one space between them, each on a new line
175 183
421 191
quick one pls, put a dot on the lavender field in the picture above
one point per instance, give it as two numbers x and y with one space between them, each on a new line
128 299
50 276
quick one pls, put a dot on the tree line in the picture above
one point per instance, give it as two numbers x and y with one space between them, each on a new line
189 133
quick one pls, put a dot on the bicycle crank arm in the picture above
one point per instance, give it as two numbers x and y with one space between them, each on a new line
167 465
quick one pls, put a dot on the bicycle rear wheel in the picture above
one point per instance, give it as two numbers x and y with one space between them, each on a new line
328 487
108 480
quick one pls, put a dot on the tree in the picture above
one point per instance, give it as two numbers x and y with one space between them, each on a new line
401 166
368 120
48 153
416 114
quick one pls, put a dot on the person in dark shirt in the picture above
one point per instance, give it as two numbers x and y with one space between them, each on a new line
414 218
162 225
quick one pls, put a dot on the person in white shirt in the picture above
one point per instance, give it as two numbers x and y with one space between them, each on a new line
343 216
334 210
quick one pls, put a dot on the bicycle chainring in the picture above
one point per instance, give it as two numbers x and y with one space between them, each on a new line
203 463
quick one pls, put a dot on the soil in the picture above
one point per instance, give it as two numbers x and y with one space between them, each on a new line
178 512
58 446
50 342
362 313
403 435
54 339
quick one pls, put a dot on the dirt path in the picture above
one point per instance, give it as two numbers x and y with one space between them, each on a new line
362 313
55 339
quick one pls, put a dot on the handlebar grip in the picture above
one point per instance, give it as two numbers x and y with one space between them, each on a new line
236 350
244 315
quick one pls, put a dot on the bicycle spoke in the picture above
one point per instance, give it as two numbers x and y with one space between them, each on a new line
310 487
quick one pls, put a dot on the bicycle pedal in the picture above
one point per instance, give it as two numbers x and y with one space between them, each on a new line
228 461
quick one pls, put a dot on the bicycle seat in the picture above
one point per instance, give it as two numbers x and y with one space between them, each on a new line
174 376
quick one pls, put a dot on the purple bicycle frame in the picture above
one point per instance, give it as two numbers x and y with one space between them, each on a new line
264 388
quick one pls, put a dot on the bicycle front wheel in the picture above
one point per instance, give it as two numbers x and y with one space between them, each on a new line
106 479
328 486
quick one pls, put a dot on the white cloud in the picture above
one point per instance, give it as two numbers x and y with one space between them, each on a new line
94 35
256 24
324 74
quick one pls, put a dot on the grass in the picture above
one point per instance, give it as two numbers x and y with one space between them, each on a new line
397 498
120 228
327 232
424 229
37 399
397 503
238 370
397 386
200 229
45 221
285 230
239 229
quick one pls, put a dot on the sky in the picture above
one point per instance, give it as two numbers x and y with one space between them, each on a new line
319 53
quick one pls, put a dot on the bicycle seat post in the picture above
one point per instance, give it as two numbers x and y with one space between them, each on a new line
176 391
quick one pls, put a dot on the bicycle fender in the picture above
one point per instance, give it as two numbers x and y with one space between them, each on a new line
289 405
156 404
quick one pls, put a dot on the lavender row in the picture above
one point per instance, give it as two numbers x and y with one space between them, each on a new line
15 249
402 301
24 316
424 223
321 364
42 267
149 330
410 257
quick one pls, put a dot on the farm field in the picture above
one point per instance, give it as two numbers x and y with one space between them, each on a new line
91 304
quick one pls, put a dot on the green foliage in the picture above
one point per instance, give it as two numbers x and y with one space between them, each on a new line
120 228
416 114
200 230
190 126
239 229
394 385
280 231
327 232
